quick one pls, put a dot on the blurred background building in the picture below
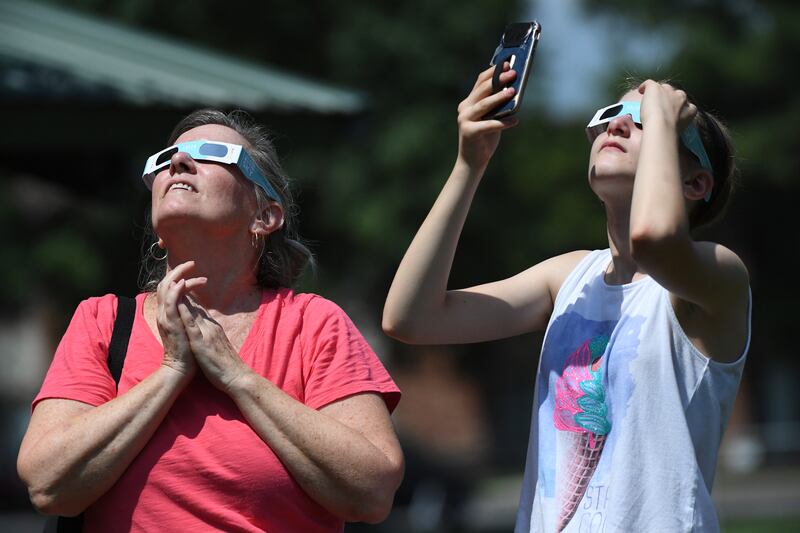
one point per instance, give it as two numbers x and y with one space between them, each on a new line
361 96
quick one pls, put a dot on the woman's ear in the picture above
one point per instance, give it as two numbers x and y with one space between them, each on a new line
270 219
698 185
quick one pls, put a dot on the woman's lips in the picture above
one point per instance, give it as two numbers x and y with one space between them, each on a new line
611 144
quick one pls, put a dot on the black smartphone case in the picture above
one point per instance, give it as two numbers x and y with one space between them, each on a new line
517 46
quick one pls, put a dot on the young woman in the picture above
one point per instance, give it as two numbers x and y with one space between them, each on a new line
242 405
645 341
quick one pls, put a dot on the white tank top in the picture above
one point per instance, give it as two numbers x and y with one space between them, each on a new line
628 414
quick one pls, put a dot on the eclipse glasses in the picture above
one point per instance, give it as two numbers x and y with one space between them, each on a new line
690 136
215 151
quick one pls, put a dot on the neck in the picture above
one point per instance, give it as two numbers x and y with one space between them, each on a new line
623 268
229 264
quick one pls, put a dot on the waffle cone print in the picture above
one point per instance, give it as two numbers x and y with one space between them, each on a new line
581 411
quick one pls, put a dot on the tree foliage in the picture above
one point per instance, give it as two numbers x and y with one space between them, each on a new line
737 58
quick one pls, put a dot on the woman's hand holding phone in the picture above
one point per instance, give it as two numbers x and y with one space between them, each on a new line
478 138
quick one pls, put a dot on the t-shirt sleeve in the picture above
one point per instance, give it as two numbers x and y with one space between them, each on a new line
340 362
79 370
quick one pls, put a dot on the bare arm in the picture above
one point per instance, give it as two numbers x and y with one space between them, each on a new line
419 308
701 275
73 453
496 310
345 456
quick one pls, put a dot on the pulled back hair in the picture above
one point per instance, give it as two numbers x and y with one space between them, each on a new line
284 256
718 144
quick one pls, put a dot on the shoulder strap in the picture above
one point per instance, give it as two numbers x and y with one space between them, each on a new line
117 350
63 524
123 324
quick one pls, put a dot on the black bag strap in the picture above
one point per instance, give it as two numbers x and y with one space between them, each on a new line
117 350
118 347
63 524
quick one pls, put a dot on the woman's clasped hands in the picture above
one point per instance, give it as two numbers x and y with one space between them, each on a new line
190 336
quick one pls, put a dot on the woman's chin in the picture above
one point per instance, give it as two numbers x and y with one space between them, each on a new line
174 218
607 168
609 187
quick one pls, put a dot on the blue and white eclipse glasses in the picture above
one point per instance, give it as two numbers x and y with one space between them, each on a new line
216 151
690 136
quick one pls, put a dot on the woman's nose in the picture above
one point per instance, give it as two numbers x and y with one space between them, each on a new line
181 162
620 126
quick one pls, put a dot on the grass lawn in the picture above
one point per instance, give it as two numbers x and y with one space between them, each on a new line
767 525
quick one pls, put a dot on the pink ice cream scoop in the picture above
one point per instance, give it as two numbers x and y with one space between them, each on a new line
581 410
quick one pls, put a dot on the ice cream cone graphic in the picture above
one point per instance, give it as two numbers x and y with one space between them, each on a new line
581 413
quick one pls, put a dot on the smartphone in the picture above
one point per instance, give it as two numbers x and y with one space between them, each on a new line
517 46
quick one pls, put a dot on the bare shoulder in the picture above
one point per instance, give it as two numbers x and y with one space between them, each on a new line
728 259
565 263
557 268
545 277
725 274
720 327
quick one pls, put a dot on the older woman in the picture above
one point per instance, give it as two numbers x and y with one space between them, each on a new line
242 405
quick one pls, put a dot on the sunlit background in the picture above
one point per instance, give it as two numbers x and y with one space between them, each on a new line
361 96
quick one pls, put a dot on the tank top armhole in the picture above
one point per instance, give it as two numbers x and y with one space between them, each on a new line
576 274
695 350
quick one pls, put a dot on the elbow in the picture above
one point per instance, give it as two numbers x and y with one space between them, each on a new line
374 512
47 502
44 496
376 505
389 324
398 328
404 319
38 494
651 243
641 246
414 320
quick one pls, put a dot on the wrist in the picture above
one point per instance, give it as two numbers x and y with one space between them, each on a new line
178 377
469 169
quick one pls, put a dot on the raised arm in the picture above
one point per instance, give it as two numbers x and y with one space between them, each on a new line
419 309
73 452
708 282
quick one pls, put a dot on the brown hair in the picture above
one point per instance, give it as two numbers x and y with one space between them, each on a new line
719 146
284 256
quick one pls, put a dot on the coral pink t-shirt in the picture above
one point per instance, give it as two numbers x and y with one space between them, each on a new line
205 468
